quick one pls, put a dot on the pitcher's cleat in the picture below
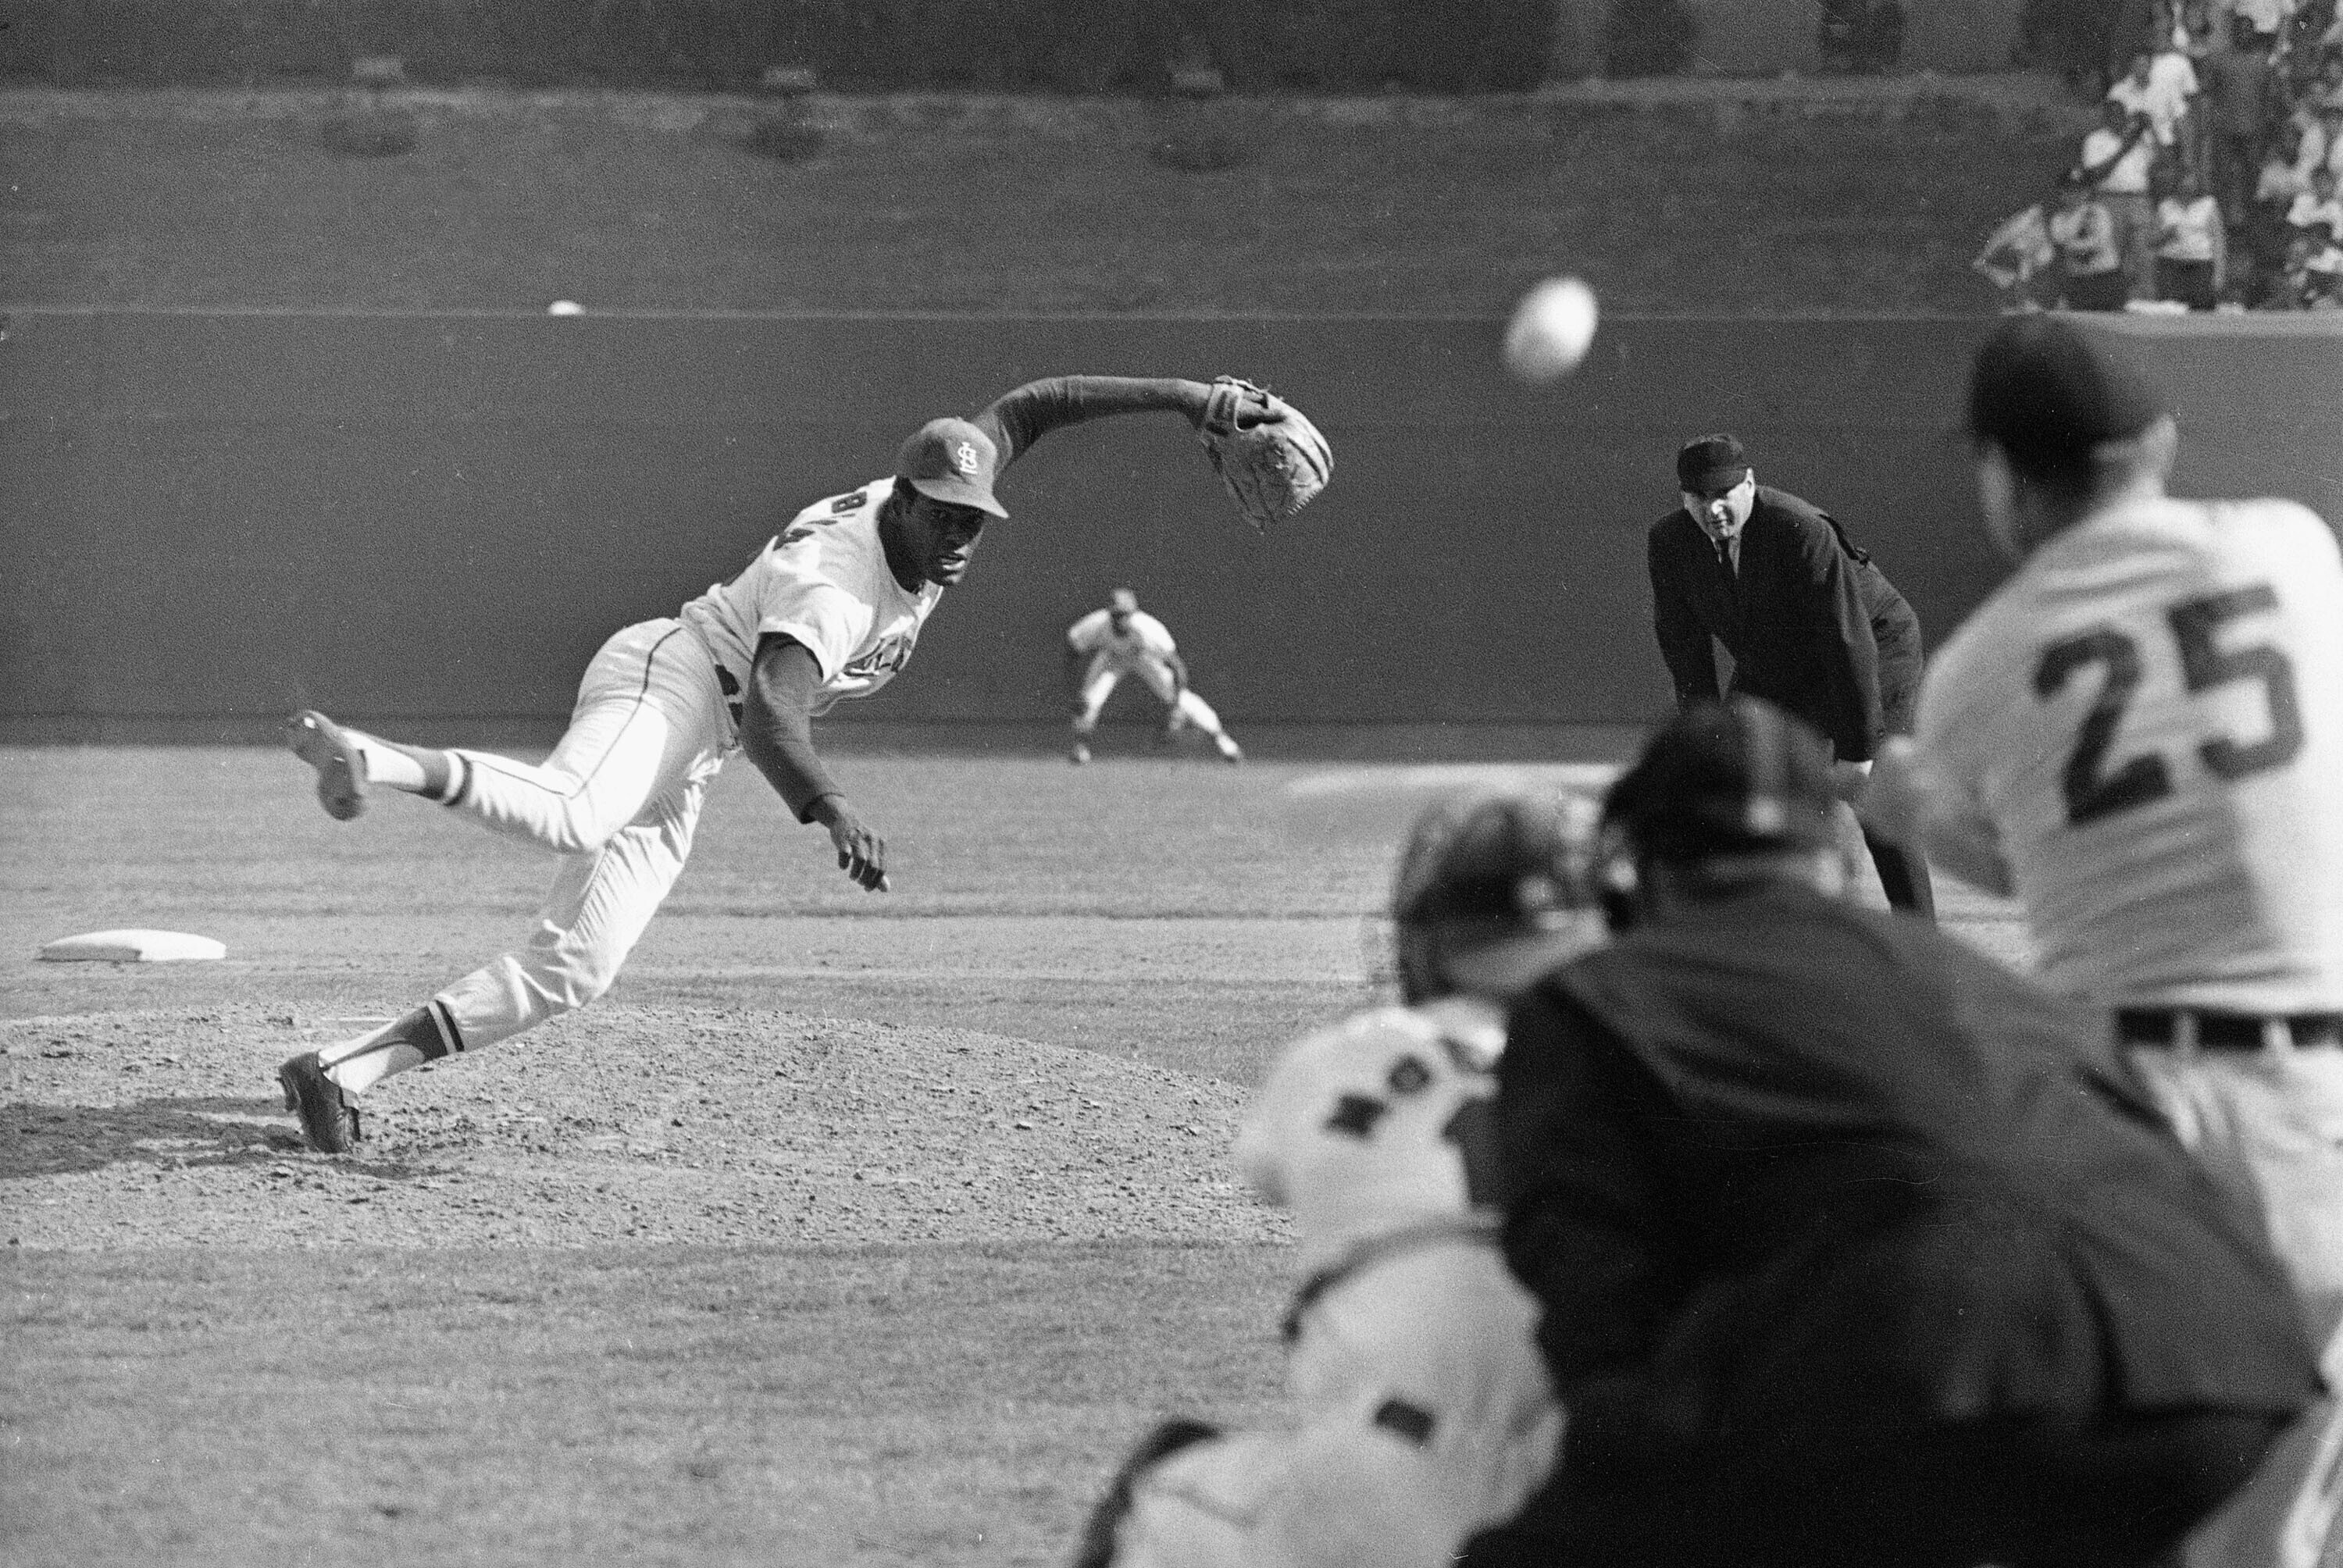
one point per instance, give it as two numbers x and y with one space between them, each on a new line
1229 750
328 1120
1079 755
341 766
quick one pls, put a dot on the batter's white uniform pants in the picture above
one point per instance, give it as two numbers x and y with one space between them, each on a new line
1105 674
617 799
2268 1126
1426 1416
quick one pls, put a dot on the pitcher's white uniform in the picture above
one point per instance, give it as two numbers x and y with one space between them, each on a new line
1423 1410
655 720
1141 646
2145 722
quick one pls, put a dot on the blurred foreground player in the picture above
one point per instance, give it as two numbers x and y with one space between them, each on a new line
2140 736
1121 639
830 608
1421 1409
1811 624
1853 1247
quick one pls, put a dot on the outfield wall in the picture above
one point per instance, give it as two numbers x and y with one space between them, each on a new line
209 517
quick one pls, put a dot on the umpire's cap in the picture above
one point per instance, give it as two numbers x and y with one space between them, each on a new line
1508 857
1706 465
2045 393
1731 777
953 461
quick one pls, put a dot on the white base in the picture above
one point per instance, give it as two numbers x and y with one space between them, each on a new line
132 946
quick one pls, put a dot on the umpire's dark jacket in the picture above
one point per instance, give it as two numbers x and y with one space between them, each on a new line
1811 625
1782 1166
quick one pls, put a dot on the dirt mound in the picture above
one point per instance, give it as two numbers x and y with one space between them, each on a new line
622 1123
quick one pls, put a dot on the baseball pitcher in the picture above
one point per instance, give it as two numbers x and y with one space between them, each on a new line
830 610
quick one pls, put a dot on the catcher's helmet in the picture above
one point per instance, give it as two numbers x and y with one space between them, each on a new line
1480 868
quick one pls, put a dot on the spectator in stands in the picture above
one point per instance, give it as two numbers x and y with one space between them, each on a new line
2018 253
2303 135
2310 278
2330 123
2162 86
2287 284
2240 93
2323 279
2199 34
2116 159
2090 254
2267 17
2317 212
2191 245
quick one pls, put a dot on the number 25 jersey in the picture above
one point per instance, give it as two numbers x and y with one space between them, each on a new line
2148 715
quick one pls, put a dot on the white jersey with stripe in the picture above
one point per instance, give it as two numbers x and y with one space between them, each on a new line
2146 720
823 582
1378 1125
1141 637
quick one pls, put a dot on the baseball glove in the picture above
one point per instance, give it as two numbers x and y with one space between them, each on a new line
1268 456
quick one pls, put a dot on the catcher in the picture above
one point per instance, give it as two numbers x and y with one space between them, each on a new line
1423 1409
830 608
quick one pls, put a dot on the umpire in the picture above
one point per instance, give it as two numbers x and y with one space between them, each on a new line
1854 1248
1811 625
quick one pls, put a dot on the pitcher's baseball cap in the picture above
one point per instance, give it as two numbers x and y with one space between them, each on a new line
1708 464
1730 778
953 461
2047 394
1122 601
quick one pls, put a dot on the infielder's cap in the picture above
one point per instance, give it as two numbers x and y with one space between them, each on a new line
1122 601
1711 463
2047 394
953 461
1511 857
1729 778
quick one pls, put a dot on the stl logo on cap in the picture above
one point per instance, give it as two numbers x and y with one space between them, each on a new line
965 459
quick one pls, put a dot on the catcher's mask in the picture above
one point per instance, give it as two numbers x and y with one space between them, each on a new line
1486 867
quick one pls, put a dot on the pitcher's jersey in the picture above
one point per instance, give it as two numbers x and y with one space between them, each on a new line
1145 637
2148 718
1380 1123
824 581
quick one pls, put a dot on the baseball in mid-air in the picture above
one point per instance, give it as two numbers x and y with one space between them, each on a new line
565 307
1552 329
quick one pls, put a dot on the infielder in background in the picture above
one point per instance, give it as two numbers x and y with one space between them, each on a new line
1854 1248
828 609
1811 625
1106 645
2139 735
1422 1410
